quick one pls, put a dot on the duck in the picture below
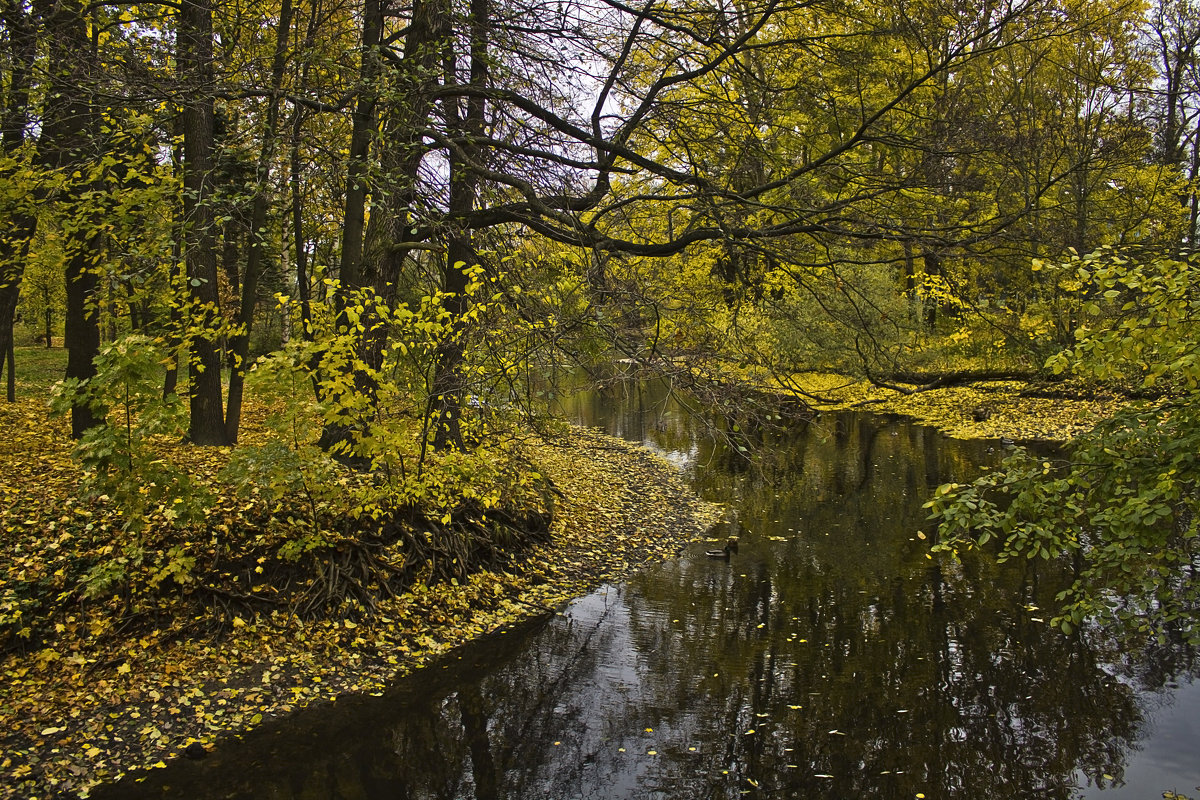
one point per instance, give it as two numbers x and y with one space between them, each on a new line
731 546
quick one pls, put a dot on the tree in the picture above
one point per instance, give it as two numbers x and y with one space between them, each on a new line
194 50
240 346
70 124
18 56
1122 506
1172 28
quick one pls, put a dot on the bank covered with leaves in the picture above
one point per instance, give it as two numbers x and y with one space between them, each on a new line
974 409
127 643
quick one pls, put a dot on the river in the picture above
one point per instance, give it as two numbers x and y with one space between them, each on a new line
829 657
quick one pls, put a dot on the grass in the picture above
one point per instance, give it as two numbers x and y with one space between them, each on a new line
38 368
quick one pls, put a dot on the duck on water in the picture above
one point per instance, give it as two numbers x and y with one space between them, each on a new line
731 547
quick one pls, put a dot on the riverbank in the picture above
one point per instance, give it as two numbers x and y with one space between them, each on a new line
76 718
982 410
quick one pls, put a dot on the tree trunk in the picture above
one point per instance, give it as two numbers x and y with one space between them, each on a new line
69 125
1193 194
82 330
19 52
195 56
240 345
11 383
932 267
10 290
361 133
350 267
460 253
299 242
171 378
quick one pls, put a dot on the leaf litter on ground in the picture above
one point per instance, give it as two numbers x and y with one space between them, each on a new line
98 698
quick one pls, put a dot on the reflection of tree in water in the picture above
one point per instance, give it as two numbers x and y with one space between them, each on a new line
830 636
936 701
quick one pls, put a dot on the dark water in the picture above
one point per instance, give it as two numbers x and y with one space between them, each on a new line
829 658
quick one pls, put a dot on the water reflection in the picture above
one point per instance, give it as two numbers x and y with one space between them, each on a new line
829 658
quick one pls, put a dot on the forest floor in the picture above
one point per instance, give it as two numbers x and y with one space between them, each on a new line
80 710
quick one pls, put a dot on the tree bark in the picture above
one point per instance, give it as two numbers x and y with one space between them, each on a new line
361 133
195 58
460 252
69 125
11 380
339 436
21 50
240 344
